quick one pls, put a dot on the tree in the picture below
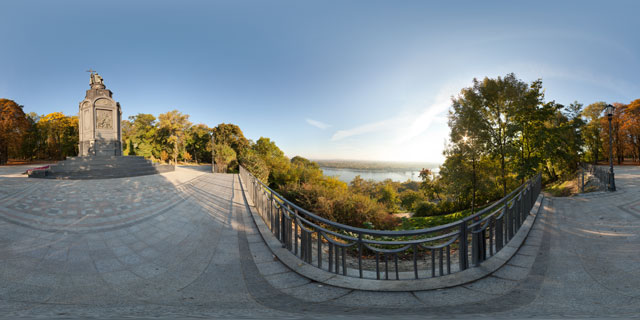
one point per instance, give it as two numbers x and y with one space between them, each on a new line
13 126
224 155
61 134
231 135
275 159
251 161
197 142
142 136
631 127
174 125
470 134
593 130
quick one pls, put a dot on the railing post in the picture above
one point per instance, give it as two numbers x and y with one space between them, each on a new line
500 228
463 250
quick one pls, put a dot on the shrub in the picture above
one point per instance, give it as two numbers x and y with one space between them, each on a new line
425 209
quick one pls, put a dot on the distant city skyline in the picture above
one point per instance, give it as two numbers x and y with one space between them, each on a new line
366 80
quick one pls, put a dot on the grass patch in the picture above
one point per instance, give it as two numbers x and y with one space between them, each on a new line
562 188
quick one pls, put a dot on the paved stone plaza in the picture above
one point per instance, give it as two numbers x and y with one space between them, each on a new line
182 244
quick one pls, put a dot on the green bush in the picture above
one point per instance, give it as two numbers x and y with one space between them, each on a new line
425 209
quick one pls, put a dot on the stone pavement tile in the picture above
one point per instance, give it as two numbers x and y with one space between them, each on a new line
451 296
87 295
122 250
131 259
96 245
58 254
255 238
149 253
10 272
100 254
21 263
42 279
138 245
108 265
94 280
512 273
114 242
81 266
492 285
379 299
260 256
147 271
528 250
286 280
316 292
120 278
522 260
27 292
533 241
273 267
36 252
52 266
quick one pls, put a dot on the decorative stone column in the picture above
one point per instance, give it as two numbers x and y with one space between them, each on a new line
99 121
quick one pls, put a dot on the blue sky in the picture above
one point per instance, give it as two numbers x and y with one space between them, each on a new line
326 79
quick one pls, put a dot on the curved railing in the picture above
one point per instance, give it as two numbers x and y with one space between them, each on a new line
378 254
601 173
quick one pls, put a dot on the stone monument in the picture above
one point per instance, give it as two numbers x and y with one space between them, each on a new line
99 121
100 146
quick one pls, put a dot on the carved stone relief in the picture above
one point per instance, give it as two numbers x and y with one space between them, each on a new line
104 119
103 102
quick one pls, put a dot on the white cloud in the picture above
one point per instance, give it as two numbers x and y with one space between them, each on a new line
404 128
318 124
365 128
434 112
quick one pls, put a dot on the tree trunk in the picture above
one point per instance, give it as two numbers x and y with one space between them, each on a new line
473 199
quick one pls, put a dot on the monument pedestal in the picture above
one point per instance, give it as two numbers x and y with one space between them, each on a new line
104 167
99 122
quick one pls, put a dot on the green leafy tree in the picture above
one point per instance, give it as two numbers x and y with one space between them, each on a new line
252 161
593 130
173 125
224 155
197 142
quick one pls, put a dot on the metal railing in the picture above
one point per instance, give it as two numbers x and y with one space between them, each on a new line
378 254
601 173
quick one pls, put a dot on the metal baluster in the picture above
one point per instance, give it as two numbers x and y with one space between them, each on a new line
386 266
462 250
395 256
337 251
360 254
441 269
319 250
492 224
433 264
330 256
377 265
448 259
344 261
415 260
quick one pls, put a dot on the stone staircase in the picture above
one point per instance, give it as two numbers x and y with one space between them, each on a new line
104 167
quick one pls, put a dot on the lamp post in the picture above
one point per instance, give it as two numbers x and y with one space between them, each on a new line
612 182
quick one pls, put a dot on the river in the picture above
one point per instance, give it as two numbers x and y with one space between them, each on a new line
346 175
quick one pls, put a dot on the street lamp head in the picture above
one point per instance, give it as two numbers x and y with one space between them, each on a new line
609 110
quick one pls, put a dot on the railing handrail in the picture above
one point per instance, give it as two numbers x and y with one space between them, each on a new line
391 233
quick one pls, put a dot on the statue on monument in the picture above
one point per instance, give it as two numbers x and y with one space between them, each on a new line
95 79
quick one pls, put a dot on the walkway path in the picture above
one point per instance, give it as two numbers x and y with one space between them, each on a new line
184 244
